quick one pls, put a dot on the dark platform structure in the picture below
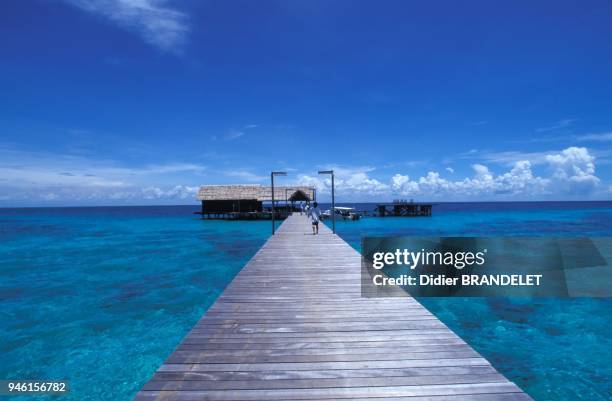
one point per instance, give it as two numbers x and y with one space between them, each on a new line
400 208
293 325
232 205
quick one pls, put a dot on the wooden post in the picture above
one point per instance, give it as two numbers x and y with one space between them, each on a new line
272 174
333 211
272 182
333 205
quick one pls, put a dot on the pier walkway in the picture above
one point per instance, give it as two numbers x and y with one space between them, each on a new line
292 325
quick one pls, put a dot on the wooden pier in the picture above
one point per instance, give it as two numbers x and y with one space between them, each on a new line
293 325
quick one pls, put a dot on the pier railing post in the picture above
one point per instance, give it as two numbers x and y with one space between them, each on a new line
272 179
272 174
333 204
333 209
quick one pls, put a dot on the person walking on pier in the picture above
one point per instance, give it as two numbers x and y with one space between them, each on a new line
315 215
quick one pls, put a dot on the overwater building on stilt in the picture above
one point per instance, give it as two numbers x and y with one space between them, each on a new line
251 202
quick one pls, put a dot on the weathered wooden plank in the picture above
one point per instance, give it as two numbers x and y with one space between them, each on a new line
348 392
205 357
285 345
158 384
323 374
400 350
250 367
292 325
327 336
323 327
194 396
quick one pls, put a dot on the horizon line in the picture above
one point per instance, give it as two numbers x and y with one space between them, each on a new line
325 202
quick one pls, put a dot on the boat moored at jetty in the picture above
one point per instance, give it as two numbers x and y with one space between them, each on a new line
346 213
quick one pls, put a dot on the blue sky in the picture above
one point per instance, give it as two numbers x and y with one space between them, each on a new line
141 101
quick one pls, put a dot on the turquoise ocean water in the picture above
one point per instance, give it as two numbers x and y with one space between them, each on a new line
101 296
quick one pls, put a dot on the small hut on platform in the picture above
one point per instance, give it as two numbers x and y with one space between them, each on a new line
242 202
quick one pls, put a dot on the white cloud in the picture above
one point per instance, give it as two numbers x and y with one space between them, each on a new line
49 196
314 181
450 170
349 181
518 181
574 166
27 176
508 158
245 175
156 22
63 178
601 137
177 192
572 172
361 182
235 133
566 122
482 171
398 181
26 170
231 135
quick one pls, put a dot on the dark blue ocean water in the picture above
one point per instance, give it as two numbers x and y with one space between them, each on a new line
101 296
